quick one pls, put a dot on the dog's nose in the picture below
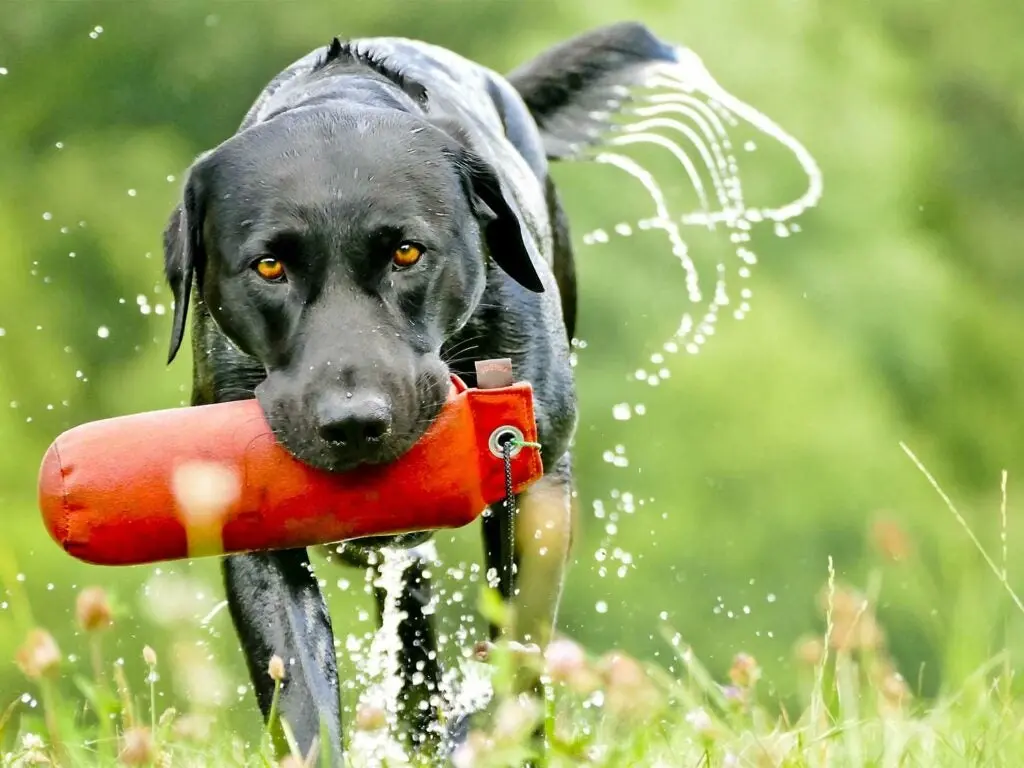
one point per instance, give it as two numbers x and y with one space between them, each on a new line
350 419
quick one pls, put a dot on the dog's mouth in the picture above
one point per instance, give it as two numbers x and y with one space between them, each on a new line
295 431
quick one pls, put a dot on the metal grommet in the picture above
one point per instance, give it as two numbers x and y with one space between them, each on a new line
502 435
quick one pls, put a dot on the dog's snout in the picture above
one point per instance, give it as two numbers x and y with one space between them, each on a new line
353 418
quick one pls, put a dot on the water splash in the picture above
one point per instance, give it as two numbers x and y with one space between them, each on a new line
683 99
379 667
465 685
680 109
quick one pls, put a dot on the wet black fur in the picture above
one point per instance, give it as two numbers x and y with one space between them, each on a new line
508 267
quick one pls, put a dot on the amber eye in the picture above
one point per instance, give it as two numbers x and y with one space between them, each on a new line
270 269
406 255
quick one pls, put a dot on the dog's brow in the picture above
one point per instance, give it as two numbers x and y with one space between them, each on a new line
385 235
285 244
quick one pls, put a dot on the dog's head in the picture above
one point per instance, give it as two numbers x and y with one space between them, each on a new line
340 248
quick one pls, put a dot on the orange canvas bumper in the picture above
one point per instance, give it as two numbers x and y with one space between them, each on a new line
107 494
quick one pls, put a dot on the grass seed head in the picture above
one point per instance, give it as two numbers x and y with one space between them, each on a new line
629 691
39 655
92 610
891 541
136 747
745 671
371 718
516 718
276 668
810 650
193 728
205 489
566 662
472 752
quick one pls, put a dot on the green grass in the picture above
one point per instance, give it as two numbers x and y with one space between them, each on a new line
855 708
608 711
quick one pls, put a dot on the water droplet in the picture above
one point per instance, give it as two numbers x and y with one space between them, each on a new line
47 216
771 597
601 606
132 193
621 412
103 332
3 71
749 146
59 145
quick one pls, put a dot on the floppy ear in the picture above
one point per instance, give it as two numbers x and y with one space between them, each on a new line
508 240
184 253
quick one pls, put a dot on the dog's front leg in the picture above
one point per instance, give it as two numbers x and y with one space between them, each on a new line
278 609
418 663
543 535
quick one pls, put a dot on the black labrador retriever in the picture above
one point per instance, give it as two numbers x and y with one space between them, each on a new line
384 216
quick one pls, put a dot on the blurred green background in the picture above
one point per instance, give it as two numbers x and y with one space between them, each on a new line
894 315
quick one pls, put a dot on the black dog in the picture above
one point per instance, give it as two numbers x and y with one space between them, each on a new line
383 216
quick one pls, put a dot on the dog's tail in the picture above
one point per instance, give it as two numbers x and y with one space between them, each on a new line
617 85
576 89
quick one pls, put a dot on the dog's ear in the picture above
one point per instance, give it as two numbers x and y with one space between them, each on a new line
185 251
509 241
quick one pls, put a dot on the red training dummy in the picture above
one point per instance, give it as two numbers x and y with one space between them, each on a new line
211 480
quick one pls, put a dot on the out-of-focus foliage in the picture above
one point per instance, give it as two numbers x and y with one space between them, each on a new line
894 315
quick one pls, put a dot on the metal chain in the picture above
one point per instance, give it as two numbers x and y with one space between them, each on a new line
510 518
508 566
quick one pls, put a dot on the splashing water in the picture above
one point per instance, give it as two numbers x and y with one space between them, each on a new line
681 109
379 667
684 99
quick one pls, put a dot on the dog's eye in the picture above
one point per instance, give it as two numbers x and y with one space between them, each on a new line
406 255
270 269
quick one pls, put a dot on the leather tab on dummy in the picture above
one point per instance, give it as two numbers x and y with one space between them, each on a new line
494 374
